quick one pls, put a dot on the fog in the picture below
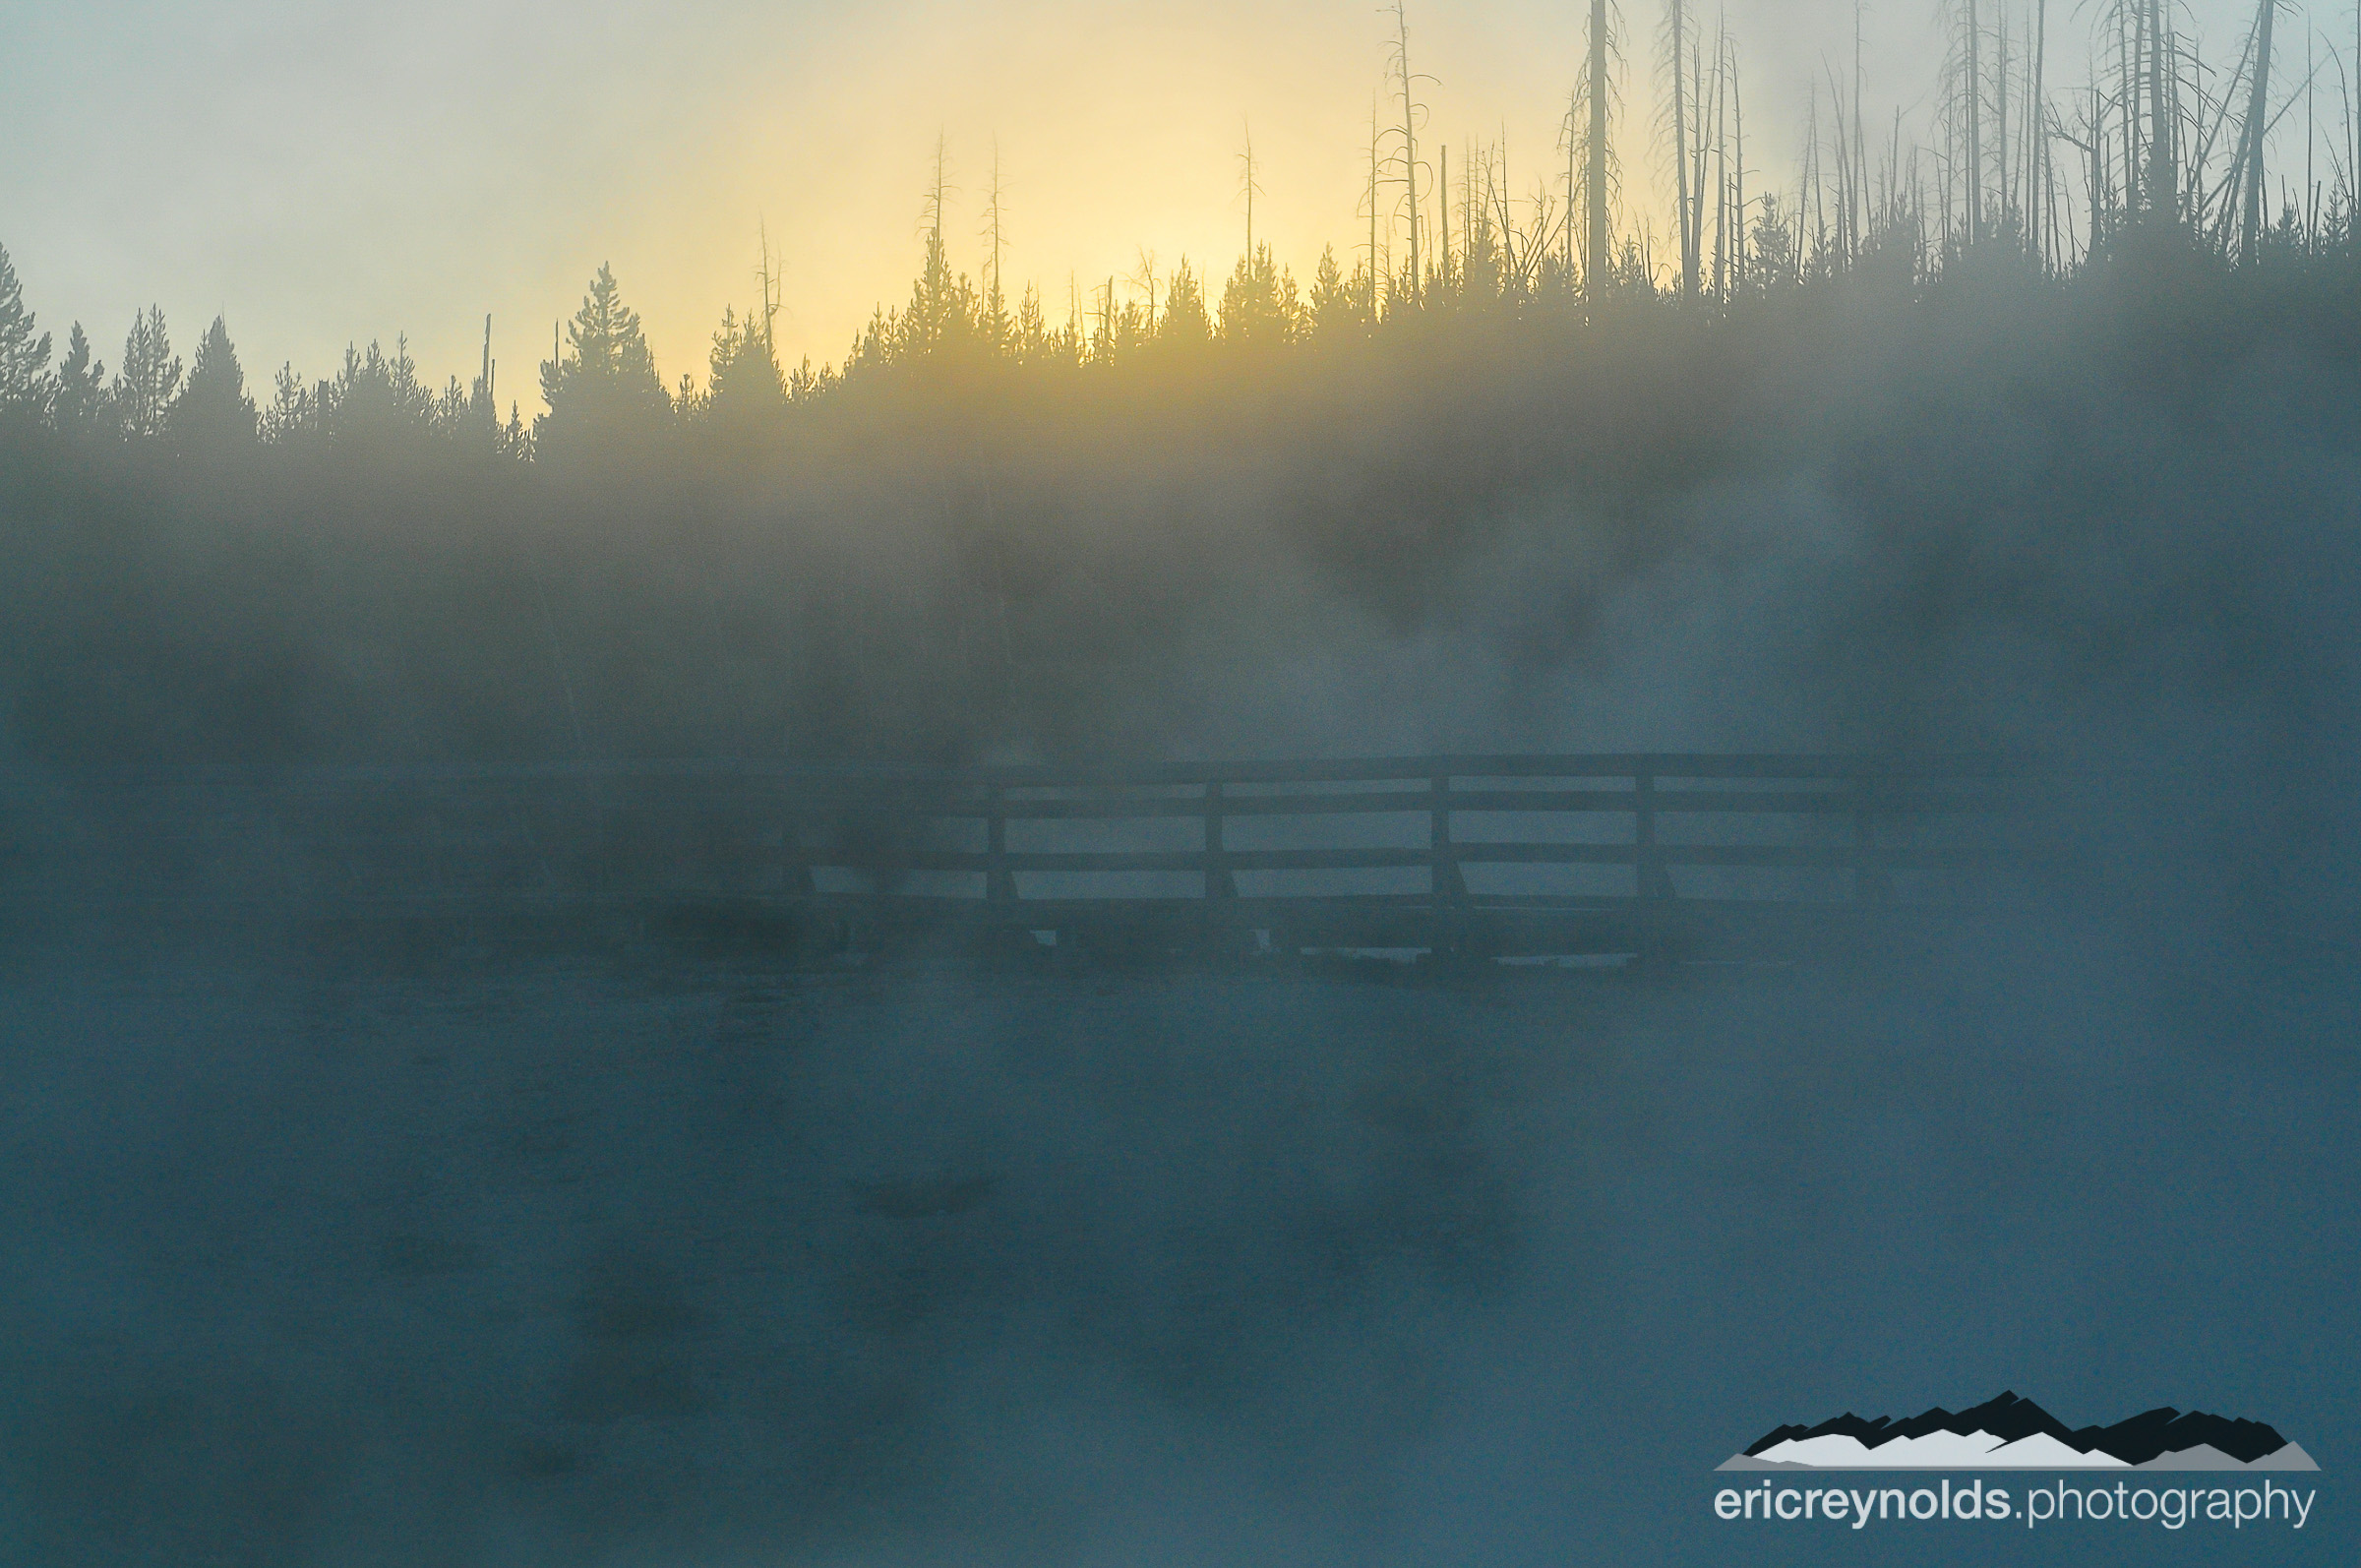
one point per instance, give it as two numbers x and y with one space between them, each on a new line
646 1252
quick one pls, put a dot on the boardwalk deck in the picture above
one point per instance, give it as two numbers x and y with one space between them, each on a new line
1502 855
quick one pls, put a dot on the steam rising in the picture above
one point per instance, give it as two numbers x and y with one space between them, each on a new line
657 1256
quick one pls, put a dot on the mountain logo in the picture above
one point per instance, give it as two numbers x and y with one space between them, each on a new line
2013 1434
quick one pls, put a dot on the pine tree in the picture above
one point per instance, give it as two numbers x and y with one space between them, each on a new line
943 312
1259 303
80 402
1034 343
745 385
293 409
1335 313
377 399
945 315
141 394
1186 324
213 408
603 384
25 381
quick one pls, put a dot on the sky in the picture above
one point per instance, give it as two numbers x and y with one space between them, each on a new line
324 173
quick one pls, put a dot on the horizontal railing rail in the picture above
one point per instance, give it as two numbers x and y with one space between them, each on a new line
1655 826
1585 765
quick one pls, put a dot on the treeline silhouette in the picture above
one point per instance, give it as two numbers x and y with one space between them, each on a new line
1861 456
2172 152
1817 519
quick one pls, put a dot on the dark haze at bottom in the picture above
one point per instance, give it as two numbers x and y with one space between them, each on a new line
528 1261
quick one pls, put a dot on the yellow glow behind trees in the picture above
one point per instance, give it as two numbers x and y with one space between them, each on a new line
323 175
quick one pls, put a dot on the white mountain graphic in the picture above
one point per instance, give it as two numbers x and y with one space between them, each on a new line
2013 1433
1978 1450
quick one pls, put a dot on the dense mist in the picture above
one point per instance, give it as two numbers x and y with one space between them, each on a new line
540 1263
331 1251
1992 510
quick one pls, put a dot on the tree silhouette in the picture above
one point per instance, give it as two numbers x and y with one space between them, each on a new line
1335 311
377 400
997 325
23 357
141 394
213 408
2175 152
1258 304
602 385
79 404
944 311
1587 136
294 410
1186 324
744 387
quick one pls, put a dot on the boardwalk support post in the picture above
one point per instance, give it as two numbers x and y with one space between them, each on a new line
1448 883
999 887
1653 879
1221 882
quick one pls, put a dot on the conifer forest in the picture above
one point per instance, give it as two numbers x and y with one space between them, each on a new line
1362 903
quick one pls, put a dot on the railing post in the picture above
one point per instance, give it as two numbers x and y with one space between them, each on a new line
1653 883
999 887
1218 932
1449 883
1654 880
1220 881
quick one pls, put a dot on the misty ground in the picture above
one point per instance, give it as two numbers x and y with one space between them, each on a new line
647 1255
653 1255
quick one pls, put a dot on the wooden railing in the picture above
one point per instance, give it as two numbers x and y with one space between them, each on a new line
1449 841
1867 819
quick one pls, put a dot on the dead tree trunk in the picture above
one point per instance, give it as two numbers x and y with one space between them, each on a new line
2163 182
1975 127
1409 138
1597 238
1680 155
2258 112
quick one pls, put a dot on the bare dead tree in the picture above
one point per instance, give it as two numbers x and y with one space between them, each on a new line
2041 180
1847 174
1701 155
995 299
1406 81
2163 179
1143 277
1972 78
1372 198
2007 81
1248 185
1859 161
1737 111
1442 187
1675 42
2256 116
1598 239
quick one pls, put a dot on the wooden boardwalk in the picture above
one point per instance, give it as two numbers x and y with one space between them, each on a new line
1485 856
